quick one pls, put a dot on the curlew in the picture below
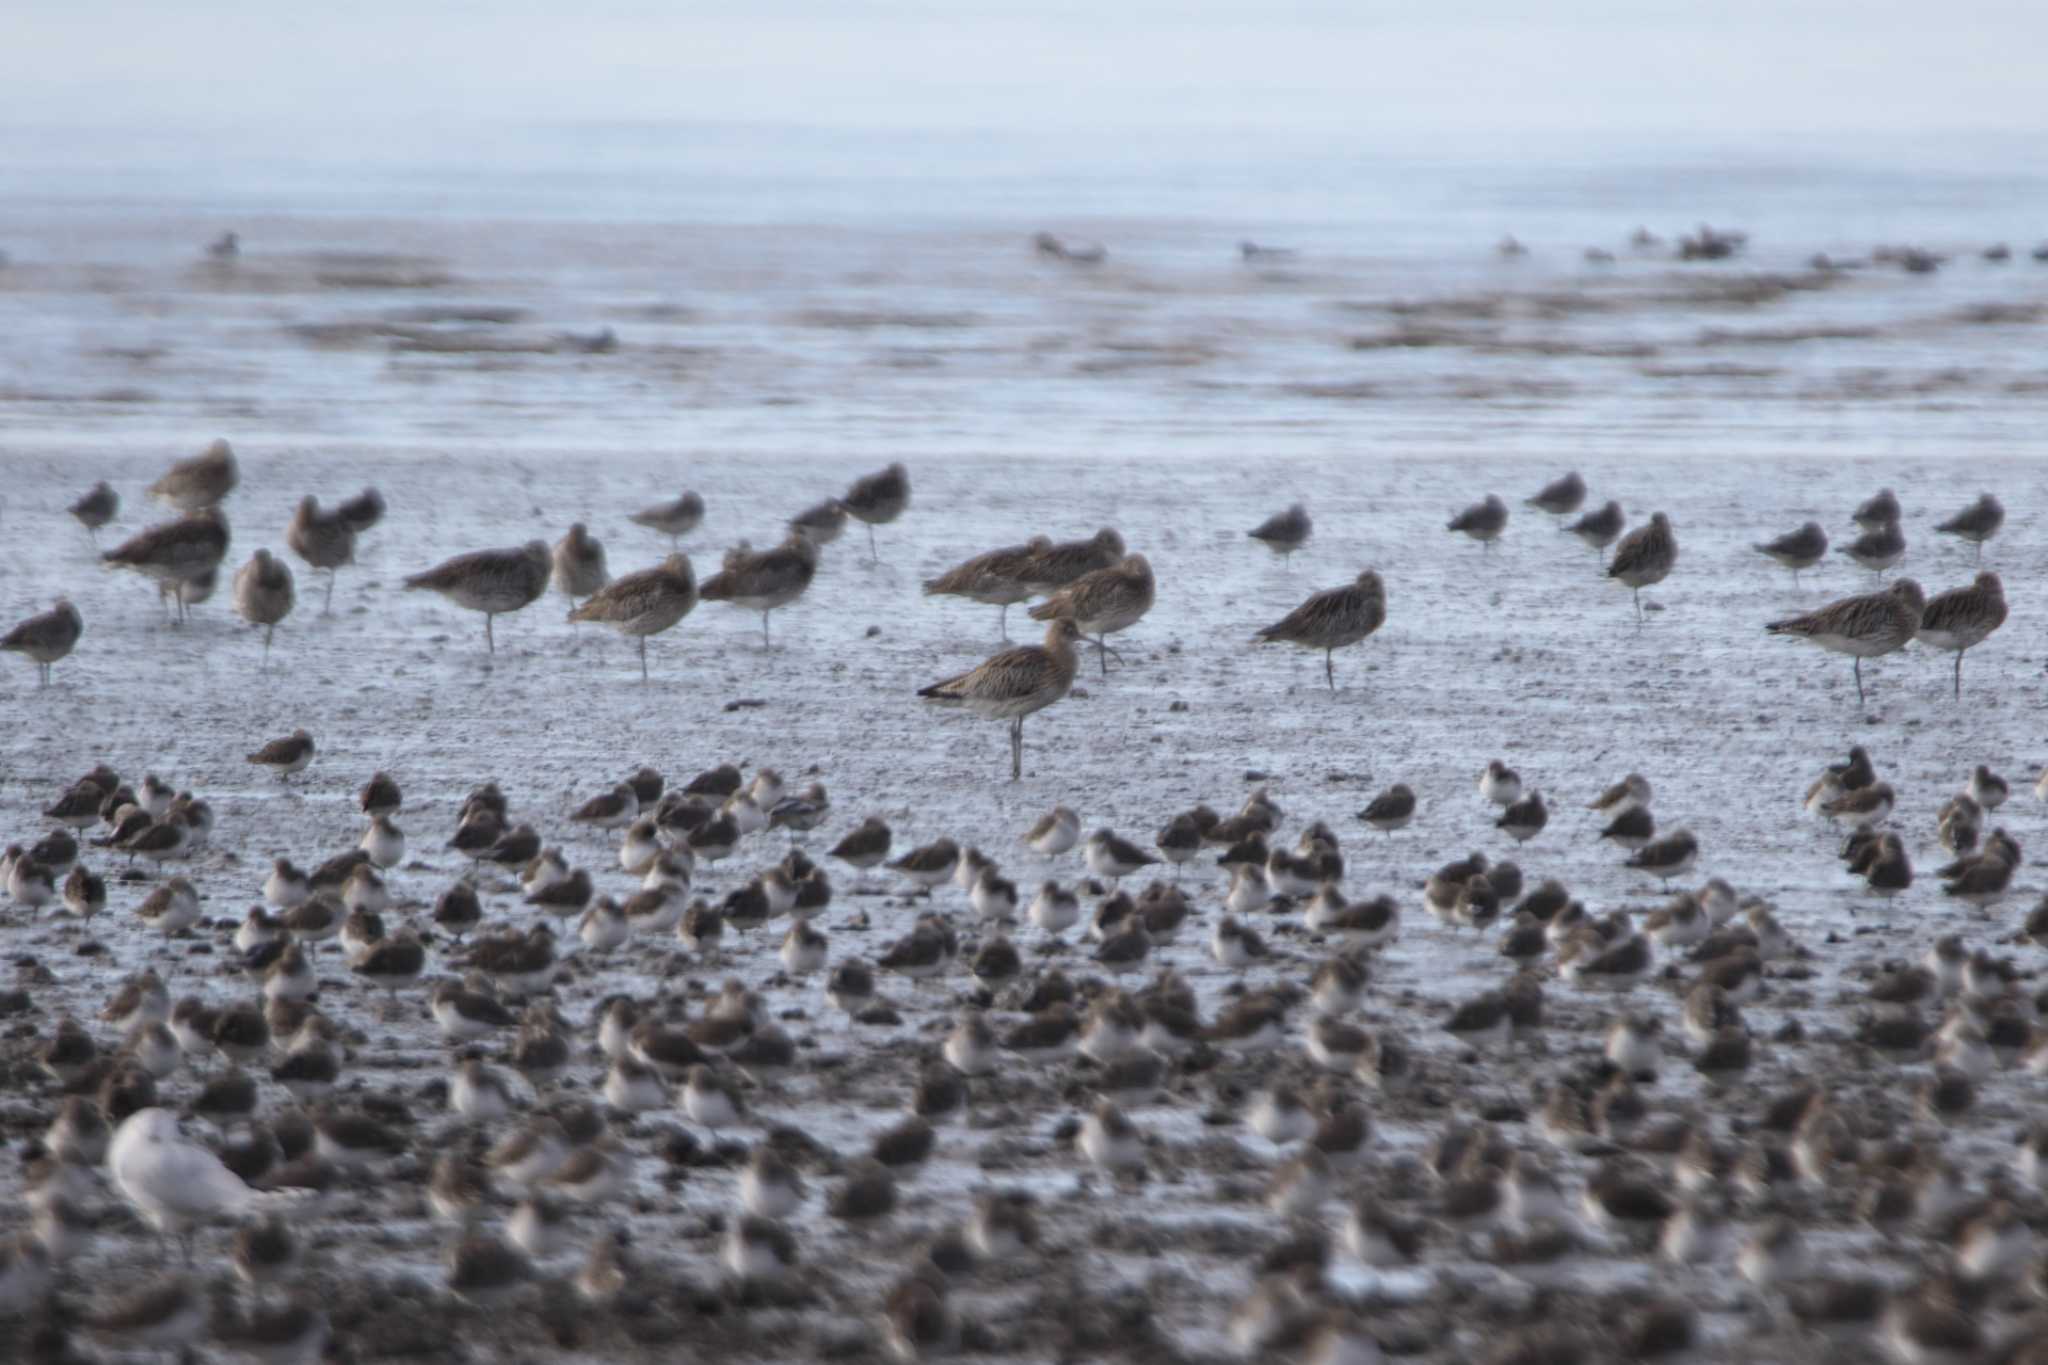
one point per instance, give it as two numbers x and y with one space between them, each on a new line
1103 602
324 540
200 482
182 556
1284 532
1014 683
46 637
996 578
579 564
1644 557
644 603
878 499
1862 627
1797 550
263 594
490 581
1962 618
1332 619
672 519
1976 523
764 580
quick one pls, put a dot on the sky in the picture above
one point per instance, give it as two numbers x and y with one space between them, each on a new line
1378 69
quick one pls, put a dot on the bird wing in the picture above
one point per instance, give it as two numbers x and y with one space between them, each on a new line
186 1180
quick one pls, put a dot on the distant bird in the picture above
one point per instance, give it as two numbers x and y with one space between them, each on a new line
362 511
1560 497
1798 550
644 603
1284 532
324 540
765 580
672 519
285 756
1599 529
490 581
823 521
1073 253
1014 683
1976 523
181 556
203 481
263 594
878 499
1103 602
1645 556
1964 617
579 568
225 247
1332 619
1392 809
1483 521
1862 627
1877 549
96 508
46 637
997 578
1881 509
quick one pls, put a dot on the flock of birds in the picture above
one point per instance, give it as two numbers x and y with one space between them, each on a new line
225 1099
1092 588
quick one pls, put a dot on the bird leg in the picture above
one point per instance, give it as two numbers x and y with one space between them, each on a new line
874 556
1959 675
764 630
1329 671
1637 593
328 609
1859 679
490 640
643 658
1017 749
1003 623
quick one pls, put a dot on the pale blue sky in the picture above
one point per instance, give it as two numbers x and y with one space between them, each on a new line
1734 67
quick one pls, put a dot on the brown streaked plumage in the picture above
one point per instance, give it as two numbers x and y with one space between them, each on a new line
764 580
490 581
644 603
996 578
1645 556
200 481
1332 619
46 637
1103 602
263 594
1964 617
1863 627
1014 683
179 555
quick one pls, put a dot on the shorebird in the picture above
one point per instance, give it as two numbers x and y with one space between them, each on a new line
1332 619
1964 617
765 580
362 511
1881 509
579 568
644 603
324 540
1014 683
46 637
490 581
1392 809
822 521
1644 557
1862 627
877 499
1068 560
1797 550
1284 532
1626 795
996 578
672 519
96 508
202 481
1560 497
180 556
285 756
263 594
1102 603
1501 785
1056 832
1599 529
1976 523
1878 549
1483 521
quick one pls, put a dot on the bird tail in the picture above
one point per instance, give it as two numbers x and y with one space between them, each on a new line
1051 610
716 588
945 693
